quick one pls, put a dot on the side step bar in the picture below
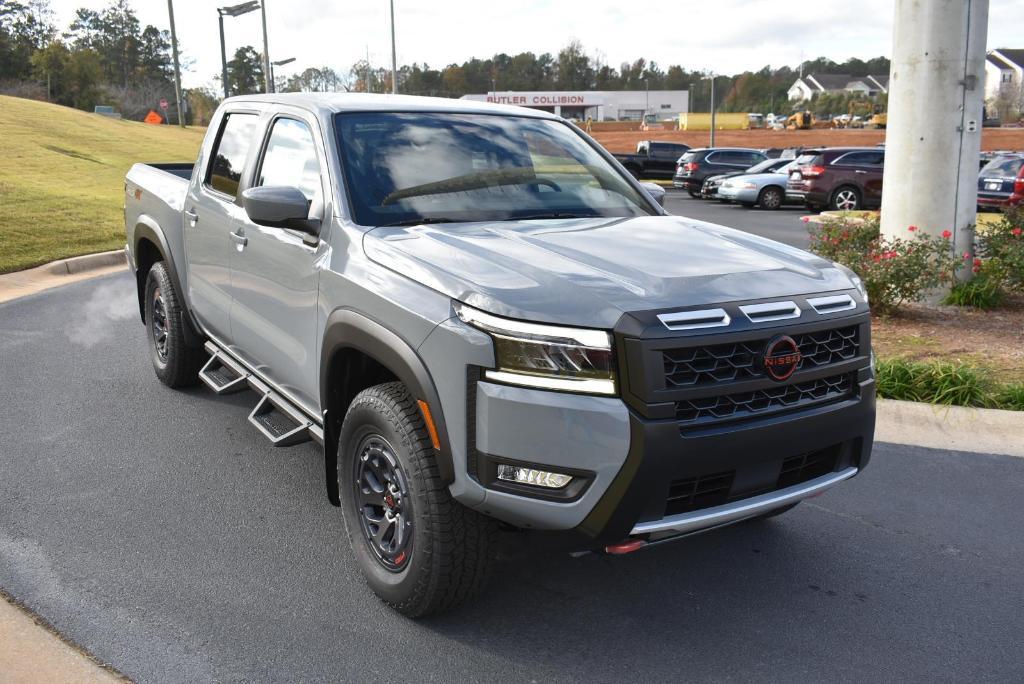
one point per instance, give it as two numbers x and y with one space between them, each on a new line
223 374
277 419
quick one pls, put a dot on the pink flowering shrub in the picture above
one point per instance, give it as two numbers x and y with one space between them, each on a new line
894 271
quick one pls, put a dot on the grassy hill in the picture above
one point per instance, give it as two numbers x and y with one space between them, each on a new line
62 178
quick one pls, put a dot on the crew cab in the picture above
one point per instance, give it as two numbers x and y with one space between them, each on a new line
491 328
653 159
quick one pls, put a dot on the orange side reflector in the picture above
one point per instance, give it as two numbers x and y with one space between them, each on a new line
431 428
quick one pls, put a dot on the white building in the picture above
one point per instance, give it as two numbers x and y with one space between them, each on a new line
1004 70
816 84
599 105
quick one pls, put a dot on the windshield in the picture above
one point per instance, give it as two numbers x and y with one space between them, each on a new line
763 167
1008 167
412 167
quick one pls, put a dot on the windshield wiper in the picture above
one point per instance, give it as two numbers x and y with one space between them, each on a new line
549 215
418 221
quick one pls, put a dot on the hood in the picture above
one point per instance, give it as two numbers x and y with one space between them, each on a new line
589 272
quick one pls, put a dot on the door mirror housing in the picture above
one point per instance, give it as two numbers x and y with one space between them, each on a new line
280 207
656 192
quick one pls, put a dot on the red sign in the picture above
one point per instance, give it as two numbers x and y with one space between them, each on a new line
163 103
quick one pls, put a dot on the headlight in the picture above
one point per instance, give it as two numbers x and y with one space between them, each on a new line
546 356
855 279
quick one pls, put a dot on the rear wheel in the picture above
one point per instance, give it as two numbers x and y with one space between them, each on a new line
845 198
694 194
420 551
175 363
771 198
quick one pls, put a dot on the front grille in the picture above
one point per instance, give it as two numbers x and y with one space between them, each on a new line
702 491
804 467
713 364
764 401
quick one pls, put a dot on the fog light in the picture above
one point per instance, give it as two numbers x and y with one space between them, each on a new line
538 478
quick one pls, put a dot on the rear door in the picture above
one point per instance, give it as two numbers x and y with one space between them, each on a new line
275 276
864 169
211 208
662 161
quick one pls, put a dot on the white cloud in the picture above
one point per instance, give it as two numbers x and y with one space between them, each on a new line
727 36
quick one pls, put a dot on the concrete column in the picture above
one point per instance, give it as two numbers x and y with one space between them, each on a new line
933 137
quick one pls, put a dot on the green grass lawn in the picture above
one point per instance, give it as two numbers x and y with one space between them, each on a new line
62 178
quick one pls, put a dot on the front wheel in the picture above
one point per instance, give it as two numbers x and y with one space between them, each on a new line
420 551
176 364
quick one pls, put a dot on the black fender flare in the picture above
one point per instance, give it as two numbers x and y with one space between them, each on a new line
148 229
348 329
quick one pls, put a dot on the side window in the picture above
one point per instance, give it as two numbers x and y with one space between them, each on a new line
229 153
732 158
290 159
754 158
860 159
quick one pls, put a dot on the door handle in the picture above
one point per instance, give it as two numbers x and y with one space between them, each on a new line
239 239
859 171
192 216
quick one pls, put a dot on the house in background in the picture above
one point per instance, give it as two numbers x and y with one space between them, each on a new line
1004 73
816 84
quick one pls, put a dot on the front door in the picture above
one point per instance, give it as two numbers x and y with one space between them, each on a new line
275 275
211 209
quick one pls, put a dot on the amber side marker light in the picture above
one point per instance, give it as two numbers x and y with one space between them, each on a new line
429 420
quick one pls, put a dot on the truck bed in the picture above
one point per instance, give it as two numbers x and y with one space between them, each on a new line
155 194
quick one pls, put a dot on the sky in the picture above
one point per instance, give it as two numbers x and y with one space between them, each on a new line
725 36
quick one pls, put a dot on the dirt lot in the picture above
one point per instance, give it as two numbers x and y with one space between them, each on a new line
625 141
993 339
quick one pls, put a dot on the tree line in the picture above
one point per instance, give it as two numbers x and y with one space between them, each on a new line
107 57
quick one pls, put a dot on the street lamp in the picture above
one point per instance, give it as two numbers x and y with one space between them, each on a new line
394 57
280 62
232 11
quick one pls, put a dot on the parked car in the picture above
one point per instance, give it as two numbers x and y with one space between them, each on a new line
475 333
653 159
1001 182
696 165
766 190
839 178
709 190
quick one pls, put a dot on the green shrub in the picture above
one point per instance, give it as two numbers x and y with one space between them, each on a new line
933 382
984 292
1001 251
1011 397
894 270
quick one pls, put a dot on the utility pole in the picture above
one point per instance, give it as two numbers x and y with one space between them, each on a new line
269 86
223 56
712 143
394 55
177 68
938 66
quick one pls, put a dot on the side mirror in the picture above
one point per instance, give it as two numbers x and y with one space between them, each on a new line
656 192
280 207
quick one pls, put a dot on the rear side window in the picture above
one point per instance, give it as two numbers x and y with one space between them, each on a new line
290 159
1008 167
688 157
808 159
229 153
860 159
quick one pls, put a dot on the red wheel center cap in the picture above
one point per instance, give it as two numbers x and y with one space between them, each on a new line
389 500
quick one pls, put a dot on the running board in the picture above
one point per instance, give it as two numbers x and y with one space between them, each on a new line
222 374
281 423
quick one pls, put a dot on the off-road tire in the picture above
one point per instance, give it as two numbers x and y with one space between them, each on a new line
178 365
450 549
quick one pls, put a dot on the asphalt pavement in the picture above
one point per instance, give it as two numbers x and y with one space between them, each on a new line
782 224
160 532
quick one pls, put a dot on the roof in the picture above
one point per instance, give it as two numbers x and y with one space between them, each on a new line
332 103
1015 55
822 82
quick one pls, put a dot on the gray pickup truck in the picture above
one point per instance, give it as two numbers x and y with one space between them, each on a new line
493 329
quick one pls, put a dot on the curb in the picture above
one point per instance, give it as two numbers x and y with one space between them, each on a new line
953 428
31 651
60 272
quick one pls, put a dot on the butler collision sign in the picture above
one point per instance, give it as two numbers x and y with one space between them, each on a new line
546 99
596 104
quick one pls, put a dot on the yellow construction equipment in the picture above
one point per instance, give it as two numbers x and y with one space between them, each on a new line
863 114
799 121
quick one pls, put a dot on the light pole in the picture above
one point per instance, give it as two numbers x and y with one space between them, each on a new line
712 143
394 55
281 62
647 98
267 82
231 11
177 68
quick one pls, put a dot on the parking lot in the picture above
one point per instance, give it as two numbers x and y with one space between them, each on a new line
160 532
781 224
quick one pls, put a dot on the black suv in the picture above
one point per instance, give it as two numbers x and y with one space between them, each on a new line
696 165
